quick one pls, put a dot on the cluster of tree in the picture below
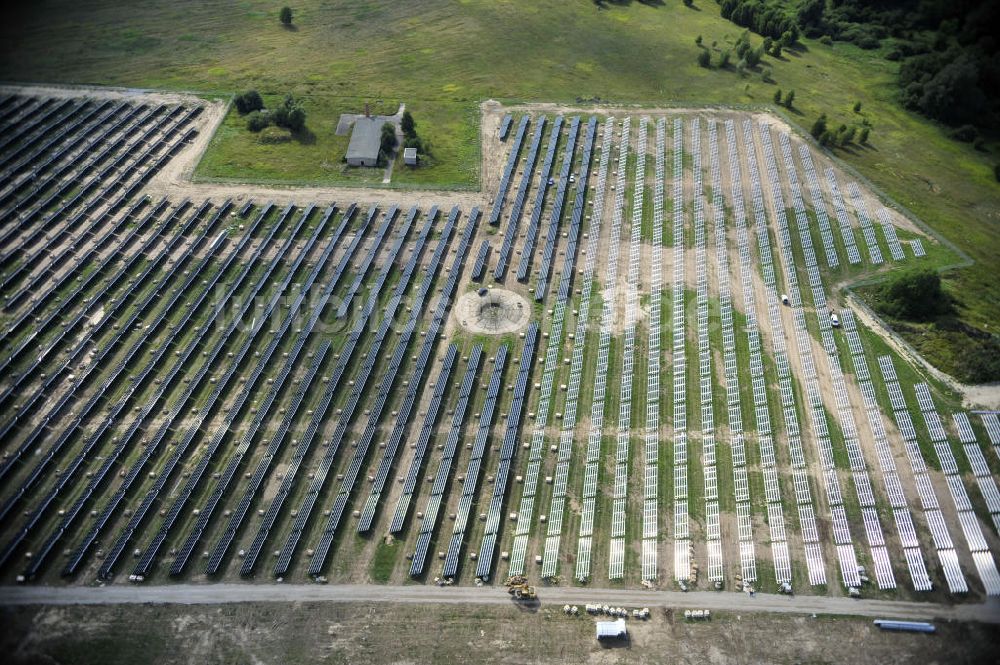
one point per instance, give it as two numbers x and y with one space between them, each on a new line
978 358
289 115
788 99
388 142
411 138
914 295
950 55
956 86
841 136
248 102
747 57
769 18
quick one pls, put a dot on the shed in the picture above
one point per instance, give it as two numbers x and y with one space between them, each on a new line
611 630
366 139
410 156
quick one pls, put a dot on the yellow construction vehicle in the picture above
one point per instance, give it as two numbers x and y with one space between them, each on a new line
518 587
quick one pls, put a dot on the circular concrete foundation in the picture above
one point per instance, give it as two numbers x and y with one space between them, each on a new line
496 312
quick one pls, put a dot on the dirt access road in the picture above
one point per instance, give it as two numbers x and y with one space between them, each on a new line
988 612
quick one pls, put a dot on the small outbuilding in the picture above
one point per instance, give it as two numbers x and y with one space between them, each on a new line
611 630
410 156
366 139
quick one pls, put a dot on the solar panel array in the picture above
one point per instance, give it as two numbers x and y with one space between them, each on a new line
992 424
534 221
517 209
619 498
431 418
947 555
731 381
765 433
128 151
557 504
58 410
573 235
873 528
981 556
390 374
591 471
152 445
525 514
479 267
43 321
713 527
144 565
980 470
262 410
174 257
508 447
651 449
853 255
505 126
508 171
819 208
682 535
895 249
867 228
918 247
96 437
548 249
430 515
471 480
193 426
893 486
319 477
421 365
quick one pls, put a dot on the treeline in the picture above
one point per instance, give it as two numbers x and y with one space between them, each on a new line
770 19
948 49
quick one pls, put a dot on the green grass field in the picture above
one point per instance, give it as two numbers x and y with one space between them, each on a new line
443 58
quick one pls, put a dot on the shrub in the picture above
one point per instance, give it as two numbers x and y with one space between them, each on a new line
915 295
697 40
979 360
286 15
388 142
688 3
248 102
996 172
777 96
275 135
857 107
257 121
790 98
704 59
965 134
724 59
863 136
776 50
290 115
819 127
848 136
408 125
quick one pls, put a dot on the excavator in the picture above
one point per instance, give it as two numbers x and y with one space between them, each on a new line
518 587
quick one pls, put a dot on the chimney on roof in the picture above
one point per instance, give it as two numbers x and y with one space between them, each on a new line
368 112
